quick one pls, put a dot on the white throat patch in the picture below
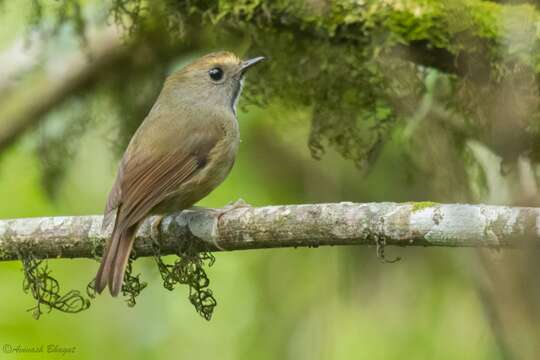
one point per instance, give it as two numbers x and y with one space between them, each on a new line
235 101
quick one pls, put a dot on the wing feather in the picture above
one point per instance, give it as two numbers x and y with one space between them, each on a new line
161 179
150 171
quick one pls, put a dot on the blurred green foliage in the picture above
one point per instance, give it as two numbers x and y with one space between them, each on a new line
348 64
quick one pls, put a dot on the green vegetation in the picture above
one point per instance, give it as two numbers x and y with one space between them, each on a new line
421 205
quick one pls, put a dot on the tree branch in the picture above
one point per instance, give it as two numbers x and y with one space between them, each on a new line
22 56
23 111
408 224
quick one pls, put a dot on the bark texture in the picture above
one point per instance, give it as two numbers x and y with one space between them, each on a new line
407 224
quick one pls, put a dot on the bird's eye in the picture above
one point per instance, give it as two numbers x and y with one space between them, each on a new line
216 73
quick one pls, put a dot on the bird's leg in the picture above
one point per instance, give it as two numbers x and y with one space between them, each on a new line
238 204
217 214
155 228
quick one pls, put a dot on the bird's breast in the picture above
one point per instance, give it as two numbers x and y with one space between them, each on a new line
222 156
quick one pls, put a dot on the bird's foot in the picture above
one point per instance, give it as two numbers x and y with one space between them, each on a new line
155 229
201 229
238 204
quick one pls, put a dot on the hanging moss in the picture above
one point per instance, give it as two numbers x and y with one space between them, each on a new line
46 290
132 285
189 269
355 64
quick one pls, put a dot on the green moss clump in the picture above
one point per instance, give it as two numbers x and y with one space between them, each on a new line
359 67
421 205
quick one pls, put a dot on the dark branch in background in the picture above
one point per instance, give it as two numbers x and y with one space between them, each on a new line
409 224
80 73
455 40
107 53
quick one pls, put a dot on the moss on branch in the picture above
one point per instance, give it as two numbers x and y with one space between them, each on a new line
360 66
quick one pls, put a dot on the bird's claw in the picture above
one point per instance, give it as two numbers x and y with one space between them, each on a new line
155 229
238 204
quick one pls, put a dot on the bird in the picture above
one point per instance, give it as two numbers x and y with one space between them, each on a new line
183 149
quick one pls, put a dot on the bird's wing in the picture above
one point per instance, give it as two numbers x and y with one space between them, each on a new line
165 152
113 201
148 174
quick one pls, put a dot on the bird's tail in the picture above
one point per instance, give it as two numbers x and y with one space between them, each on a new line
114 261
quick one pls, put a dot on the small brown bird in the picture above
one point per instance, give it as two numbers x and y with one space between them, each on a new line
183 150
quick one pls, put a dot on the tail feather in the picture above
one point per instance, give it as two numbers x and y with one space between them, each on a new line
114 262
107 263
116 276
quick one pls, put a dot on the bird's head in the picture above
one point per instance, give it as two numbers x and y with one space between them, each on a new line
214 79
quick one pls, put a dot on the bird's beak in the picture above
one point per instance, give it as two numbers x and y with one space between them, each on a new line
249 63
